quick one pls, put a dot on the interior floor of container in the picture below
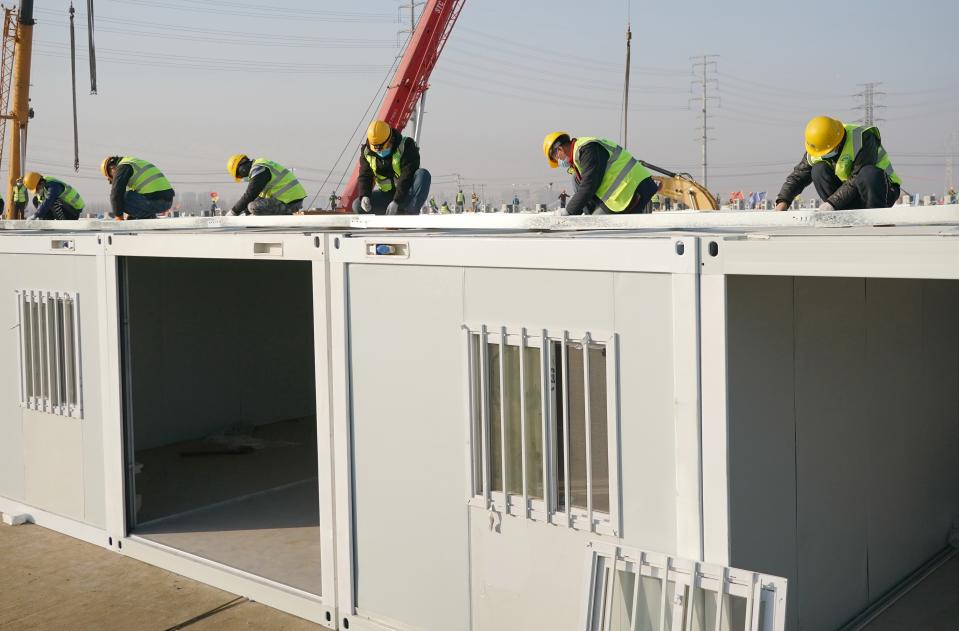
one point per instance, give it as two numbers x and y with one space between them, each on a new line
247 498
932 605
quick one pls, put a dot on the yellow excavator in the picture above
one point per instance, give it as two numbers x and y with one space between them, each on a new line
681 188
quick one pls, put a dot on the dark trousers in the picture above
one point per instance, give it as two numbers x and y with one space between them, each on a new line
641 200
419 191
874 190
63 211
18 209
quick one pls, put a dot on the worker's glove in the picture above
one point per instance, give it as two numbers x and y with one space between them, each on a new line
826 207
393 209
366 205
561 212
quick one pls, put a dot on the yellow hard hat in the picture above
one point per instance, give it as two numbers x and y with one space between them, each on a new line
548 142
233 163
106 164
823 134
31 180
378 132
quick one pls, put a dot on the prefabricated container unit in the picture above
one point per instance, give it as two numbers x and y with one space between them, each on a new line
474 430
51 402
221 467
829 409
518 439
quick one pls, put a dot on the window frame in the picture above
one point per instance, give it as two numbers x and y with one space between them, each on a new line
50 351
479 482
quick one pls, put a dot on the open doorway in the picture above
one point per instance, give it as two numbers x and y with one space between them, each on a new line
220 412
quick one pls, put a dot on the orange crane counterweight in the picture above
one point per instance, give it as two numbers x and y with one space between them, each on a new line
20 112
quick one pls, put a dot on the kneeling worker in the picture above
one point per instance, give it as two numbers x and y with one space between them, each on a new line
393 162
848 166
139 190
607 178
273 189
58 200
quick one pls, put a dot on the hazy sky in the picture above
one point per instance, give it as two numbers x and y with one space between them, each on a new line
186 83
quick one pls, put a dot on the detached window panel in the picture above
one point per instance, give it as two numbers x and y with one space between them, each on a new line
49 352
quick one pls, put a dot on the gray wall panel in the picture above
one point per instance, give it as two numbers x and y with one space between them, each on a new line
218 343
762 432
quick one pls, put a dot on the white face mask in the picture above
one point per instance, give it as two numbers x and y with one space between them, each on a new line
831 154
563 164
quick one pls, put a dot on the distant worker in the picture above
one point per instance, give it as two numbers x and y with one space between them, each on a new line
460 201
433 207
515 204
608 178
58 200
19 199
445 208
139 189
272 188
334 198
474 201
848 166
562 198
392 161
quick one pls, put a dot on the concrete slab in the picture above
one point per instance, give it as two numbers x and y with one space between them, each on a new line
51 581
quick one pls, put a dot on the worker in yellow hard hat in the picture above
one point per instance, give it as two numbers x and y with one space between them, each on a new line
392 162
19 199
53 198
139 190
607 178
848 166
272 188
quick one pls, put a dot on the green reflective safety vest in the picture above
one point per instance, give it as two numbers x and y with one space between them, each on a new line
851 148
384 182
19 194
460 198
623 174
69 194
283 185
146 178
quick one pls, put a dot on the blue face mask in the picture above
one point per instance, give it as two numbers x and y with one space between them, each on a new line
564 164
385 153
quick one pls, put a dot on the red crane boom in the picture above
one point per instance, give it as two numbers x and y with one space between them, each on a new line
412 75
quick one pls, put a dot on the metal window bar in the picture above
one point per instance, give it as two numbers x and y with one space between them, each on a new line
503 422
77 348
764 595
69 354
47 364
544 360
36 373
57 389
589 431
564 377
485 416
522 419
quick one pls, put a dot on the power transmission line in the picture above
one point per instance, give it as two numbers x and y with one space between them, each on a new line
705 63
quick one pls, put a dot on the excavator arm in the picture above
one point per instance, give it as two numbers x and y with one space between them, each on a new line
682 188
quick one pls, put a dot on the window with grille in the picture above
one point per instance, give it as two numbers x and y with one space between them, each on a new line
50 352
636 590
543 425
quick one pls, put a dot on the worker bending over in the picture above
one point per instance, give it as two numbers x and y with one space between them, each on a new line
606 177
393 162
53 198
139 190
273 189
848 166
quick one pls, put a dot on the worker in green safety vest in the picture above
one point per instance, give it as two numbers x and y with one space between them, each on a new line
391 161
57 199
139 189
273 189
460 201
19 199
848 166
607 178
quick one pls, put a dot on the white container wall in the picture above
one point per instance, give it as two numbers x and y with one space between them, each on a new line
433 546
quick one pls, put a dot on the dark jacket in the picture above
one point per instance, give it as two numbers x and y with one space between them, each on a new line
846 195
120 178
257 183
409 163
592 166
53 191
